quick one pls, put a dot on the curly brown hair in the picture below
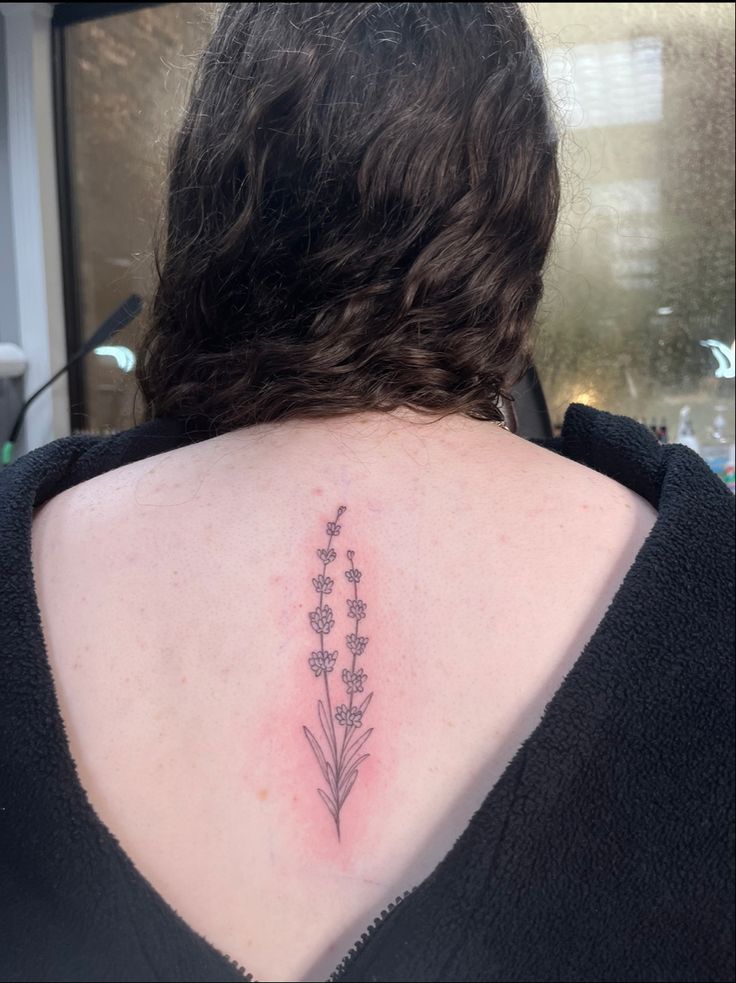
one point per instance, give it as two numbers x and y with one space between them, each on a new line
361 199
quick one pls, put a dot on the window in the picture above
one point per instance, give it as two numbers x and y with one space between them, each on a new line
638 316
126 78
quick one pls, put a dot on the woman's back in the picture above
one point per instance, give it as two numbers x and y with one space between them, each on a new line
176 593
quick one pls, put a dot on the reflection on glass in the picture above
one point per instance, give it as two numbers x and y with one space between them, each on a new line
724 357
607 84
124 357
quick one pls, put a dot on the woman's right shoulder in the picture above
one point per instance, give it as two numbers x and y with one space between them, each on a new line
589 499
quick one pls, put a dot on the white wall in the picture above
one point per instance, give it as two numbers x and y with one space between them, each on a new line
32 312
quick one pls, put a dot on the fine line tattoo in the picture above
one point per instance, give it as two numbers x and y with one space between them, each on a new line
339 758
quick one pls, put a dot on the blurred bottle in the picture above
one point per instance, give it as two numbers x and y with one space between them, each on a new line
662 433
685 431
717 450
731 470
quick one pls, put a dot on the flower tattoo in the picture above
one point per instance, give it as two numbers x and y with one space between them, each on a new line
354 680
322 620
356 644
322 584
356 609
349 716
322 662
338 753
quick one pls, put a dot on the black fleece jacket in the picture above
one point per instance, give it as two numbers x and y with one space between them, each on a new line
604 852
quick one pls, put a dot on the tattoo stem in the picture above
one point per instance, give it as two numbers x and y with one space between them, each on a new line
348 730
327 682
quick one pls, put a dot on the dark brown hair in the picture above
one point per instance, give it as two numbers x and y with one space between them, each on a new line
361 199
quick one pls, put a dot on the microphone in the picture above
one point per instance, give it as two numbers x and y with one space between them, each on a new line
124 314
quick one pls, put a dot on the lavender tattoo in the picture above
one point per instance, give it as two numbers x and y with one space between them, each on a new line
339 758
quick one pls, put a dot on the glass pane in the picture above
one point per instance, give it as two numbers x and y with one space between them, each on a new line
638 316
127 77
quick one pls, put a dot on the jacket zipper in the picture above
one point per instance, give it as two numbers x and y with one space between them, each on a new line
366 936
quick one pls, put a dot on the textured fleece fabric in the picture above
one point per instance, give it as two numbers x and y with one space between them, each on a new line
604 852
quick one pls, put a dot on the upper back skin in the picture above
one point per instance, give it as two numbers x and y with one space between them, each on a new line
175 595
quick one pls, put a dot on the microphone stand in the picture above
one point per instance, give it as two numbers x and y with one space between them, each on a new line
124 314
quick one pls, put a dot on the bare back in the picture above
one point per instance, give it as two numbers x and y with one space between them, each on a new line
176 594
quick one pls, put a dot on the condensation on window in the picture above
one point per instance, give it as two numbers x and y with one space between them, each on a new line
638 314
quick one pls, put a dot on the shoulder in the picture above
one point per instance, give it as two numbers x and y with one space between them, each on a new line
594 504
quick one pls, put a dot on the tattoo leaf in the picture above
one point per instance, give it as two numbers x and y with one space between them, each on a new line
329 803
353 765
321 760
358 743
349 782
364 705
331 778
324 720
